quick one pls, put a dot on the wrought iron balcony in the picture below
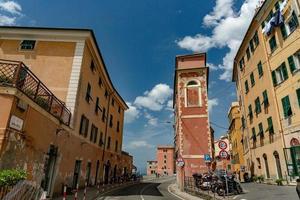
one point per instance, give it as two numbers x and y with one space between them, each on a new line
16 74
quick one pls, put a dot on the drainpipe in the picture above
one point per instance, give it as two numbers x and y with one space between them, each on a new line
106 128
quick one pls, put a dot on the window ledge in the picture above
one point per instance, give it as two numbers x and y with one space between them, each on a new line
296 71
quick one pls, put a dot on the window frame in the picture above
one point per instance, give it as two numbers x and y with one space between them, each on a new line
187 86
25 49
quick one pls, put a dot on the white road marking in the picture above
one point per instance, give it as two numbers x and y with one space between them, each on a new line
143 189
173 193
235 196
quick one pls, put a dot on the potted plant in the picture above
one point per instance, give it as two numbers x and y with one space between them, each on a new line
279 181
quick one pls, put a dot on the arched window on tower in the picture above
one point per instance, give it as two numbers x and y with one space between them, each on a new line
193 94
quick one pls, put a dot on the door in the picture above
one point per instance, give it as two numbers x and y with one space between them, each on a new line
88 172
278 166
97 171
76 173
106 171
49 169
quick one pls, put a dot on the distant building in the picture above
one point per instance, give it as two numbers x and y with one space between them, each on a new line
193 136
165 160
151 167
222 156
235 139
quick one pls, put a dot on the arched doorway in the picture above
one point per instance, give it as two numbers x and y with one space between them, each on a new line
266 165
107 170
278 166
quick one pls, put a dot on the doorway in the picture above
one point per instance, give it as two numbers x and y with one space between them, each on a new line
278 166
88 173
76 173
266 165
106 171
50 163
97 171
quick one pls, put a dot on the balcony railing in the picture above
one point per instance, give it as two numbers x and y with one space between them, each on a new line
16 74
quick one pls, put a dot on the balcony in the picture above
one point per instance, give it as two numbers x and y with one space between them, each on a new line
16 74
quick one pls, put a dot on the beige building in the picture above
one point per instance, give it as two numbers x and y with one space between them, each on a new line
151 167
61 118
265 72
235 138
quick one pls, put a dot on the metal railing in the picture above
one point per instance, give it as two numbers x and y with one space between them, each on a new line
17 74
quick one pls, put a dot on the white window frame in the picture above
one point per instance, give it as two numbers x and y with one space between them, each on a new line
296 58
199 93
279 75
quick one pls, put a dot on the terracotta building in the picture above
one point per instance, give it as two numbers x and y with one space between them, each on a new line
193 137
235 139
151 167
165 160
61 118
267 79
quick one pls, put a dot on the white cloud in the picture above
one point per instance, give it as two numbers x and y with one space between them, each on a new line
10 7
228 30
152 121
131 114
10 11
212 103
212 67
155 99
139 144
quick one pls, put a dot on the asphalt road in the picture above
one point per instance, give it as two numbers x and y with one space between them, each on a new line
156 189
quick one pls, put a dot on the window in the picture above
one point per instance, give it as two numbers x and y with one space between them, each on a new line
27 45
273 44
106 94
116 146
92 66
118 126
248 53
246 86
280 74
260 69
108 142
113 102
243 122
252 79
101 139
100 83
88 93
84 126
103 114
261 130
251 44
294 62
97 107
192 94
270 125
287 109
256 39
242 64
298 96
250 112
265 97
111 121
94 134
253 134
257 106
119 109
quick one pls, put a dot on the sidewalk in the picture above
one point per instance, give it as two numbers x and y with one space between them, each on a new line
92 192
173 188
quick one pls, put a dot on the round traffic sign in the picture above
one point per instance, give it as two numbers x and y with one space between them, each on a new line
223 154
222 145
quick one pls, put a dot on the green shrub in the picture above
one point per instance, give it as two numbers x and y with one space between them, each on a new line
261 178
254 178
10 177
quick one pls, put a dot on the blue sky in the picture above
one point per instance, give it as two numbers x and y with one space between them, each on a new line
139 40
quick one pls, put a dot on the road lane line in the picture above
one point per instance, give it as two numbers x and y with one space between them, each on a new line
174 193
143 189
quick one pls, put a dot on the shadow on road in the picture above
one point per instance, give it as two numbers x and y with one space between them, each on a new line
144 188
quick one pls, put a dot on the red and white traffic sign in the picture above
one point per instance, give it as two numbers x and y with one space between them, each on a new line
223 154
180 162
222 145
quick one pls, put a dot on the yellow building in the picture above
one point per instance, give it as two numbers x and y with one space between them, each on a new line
235 138
57 97
263 76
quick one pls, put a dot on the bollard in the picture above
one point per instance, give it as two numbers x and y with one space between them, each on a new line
76 192
103 187
98 187
65 193
84 192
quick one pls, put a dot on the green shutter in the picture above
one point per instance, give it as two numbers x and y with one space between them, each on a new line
257 106
272 43
295 18
260 69
253 134
287 111
266 100
284 71
252 79
298 95
261 129
274 78
246 86
283 31
250 111
292 63
270 125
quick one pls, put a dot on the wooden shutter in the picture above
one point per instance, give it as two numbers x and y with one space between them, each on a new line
291 63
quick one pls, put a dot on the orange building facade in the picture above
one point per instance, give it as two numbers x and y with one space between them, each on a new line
61 119
165 160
